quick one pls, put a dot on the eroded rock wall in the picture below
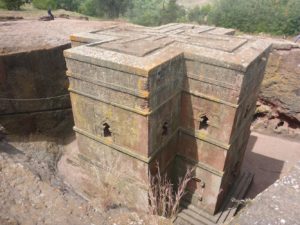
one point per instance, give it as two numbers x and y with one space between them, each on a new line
33 91
279 101
281 85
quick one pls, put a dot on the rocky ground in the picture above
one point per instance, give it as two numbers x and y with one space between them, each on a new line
28 35
278 108
30 191
35 176
33 192
278 205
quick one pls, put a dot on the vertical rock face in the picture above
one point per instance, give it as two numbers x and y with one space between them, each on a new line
33 85
279 106
182 95
33 88
281 85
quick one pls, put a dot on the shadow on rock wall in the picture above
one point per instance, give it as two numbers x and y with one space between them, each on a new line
33 92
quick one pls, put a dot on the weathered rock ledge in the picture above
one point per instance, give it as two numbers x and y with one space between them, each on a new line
279 106
33 87
29 35
279 204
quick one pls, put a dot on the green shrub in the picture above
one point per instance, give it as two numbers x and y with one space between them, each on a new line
292 12
107 8
87 7
199 14
172 12
11 4
155 12
2 5
145 12
70 5
45 4
269 16
113 8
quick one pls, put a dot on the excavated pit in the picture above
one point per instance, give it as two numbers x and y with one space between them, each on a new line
278 108
34 99
33 92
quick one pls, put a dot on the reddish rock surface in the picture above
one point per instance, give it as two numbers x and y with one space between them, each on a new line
281 86
28 35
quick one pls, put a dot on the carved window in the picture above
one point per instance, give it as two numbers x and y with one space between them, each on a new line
106 130
203 123
165 130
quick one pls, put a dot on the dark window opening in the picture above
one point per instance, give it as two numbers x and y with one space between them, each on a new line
159 75
280 124
165 129
106 130
203 123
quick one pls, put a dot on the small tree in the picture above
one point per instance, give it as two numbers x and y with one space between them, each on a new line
155 12
112 8
12 4
172 12
145 12
270 16
292 13
199 14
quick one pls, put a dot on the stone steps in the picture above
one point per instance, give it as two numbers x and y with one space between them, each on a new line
191 215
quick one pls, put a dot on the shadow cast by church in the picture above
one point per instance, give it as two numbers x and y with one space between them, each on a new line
266 170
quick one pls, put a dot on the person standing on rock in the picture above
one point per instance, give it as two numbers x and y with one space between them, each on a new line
297 38
47 18
50 14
